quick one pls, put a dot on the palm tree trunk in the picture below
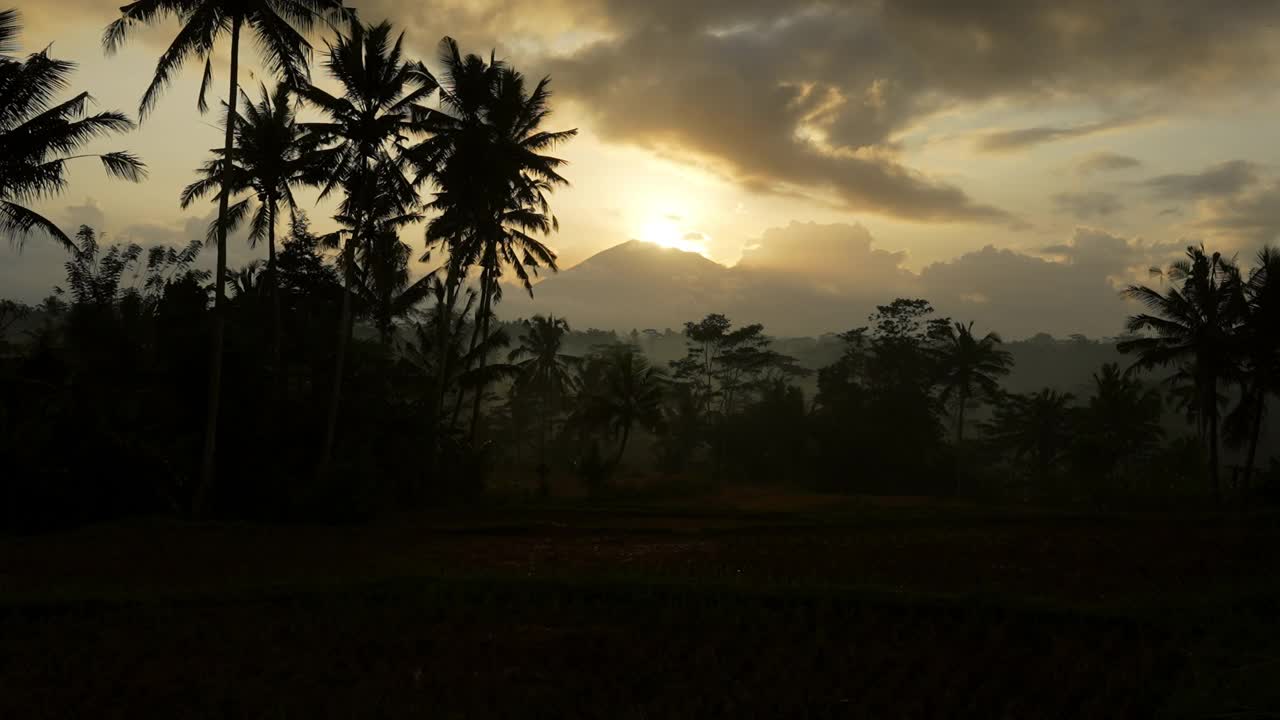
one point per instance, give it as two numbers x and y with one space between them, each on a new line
475 338
444 318
1260 405
486 297
276 324
964 400
220 287
622 446
346 325
1214 478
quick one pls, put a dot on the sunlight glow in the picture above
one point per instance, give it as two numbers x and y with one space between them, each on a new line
665 231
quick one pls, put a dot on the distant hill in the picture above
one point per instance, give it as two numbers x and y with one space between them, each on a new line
642 285
632 285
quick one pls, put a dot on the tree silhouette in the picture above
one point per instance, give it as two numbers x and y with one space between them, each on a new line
543 372
279 27
1259 345
486 159
1120 424
269 160
367 128
969 368
37 137
1193 326
621 391
1037 426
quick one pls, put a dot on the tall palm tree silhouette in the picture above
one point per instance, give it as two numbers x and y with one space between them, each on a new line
367 128
1193 325
486 159
269 160
279 26
37 137
969 368
1260 351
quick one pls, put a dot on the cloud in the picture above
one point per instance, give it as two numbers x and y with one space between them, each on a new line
825 253
1223 179
1087 205
813 97
1025 138
1235 204
90 213
1250 217
720 101
1106 162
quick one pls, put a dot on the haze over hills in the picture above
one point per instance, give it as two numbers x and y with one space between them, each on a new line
808 279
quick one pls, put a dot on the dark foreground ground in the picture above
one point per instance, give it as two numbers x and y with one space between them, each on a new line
743 605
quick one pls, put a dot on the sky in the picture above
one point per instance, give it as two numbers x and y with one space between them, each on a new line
1010 156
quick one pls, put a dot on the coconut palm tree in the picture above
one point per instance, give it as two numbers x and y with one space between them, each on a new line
1035 426
1259 337
279 27
1121 422
969 368
486 159
543 371
1193 325
367 128
623 390
382 281
270 160
37 137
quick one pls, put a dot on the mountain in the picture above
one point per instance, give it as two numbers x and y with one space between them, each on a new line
642 285
809 280
632 285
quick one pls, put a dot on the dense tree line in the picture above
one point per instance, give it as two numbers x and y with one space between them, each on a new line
334 378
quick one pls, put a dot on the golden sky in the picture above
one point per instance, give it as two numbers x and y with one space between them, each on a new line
925 137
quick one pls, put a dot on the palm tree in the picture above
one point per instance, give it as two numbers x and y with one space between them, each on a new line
1121 421
270 160
382 281
1037 426
1260 350
969 368
543 371
486 159
623 390
367 127
247 281
37 138
279 26
1194 326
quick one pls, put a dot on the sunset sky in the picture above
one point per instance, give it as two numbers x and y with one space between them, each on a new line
980 150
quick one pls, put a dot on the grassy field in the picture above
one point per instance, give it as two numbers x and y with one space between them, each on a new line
750 604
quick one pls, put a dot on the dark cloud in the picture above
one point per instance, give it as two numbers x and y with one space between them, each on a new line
1246 219
1087 205
813 96
723 101
1221 180
1024 138
1106 162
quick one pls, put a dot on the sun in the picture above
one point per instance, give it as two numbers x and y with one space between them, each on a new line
665 231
